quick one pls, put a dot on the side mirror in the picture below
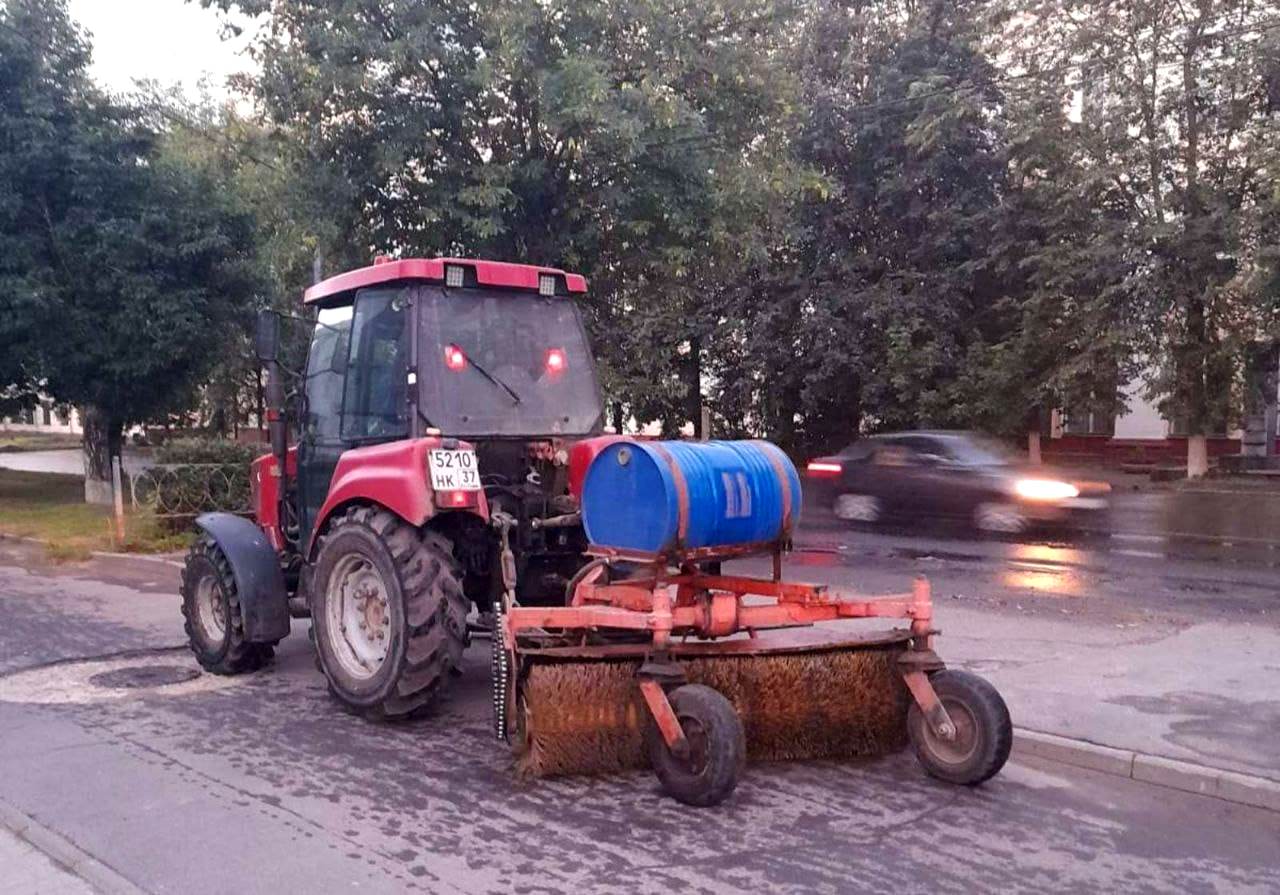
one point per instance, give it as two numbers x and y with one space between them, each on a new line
266 340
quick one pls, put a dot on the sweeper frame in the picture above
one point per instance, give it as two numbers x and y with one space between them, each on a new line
663 612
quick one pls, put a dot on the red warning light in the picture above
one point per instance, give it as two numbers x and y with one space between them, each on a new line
556 361
454 359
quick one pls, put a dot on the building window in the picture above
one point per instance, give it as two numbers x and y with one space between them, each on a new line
1088 422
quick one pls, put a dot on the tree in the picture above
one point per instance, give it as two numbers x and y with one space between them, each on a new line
120 267
634 142
1176 117
882 285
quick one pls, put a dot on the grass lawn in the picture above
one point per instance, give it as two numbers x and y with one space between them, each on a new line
51 508
17 442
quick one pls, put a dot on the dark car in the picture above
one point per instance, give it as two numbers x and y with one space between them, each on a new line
957 475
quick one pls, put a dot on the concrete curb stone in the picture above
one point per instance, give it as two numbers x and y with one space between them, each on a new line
65 853
1185 776
100 554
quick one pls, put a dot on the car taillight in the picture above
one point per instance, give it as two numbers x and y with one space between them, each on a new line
556 361
824 467
454 358
454 499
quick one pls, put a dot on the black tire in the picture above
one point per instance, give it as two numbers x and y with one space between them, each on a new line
984 730
216 635
426 612
718 748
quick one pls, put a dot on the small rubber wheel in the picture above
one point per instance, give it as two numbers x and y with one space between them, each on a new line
717 748
984 733
211 613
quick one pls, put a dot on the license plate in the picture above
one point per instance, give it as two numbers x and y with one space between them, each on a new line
453 470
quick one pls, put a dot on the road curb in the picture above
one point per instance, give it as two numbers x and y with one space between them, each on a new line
1185 776
97 554
144 557
65 853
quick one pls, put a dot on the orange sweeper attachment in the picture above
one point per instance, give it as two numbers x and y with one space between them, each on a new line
660 659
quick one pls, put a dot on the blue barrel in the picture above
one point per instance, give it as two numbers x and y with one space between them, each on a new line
660 497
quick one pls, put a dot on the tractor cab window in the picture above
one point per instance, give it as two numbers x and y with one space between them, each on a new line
373 405
325 361
495 363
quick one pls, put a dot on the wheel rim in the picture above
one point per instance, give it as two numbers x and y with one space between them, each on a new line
857 508
959 749
211 610
358 616
695 734
1001 518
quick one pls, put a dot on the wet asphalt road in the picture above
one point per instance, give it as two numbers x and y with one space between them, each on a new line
1196 555
262 784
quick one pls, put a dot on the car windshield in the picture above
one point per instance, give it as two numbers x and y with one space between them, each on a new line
505 363
977 450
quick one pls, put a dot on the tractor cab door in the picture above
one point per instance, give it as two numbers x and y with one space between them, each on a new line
357 375
320 443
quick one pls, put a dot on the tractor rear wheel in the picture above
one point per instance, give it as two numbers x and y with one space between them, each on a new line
211 613
388 612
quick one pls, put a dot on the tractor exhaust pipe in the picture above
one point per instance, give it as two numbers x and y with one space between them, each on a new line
267 346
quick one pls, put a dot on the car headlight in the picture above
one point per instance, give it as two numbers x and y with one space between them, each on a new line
1045 489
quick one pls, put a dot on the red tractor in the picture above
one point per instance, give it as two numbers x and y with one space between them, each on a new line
376 524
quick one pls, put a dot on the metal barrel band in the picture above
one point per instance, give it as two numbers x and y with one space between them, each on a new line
682 493
784 482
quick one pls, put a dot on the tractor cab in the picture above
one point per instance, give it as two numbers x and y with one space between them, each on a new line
492 353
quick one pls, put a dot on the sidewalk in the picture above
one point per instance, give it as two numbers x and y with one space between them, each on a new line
1151 685
1207 693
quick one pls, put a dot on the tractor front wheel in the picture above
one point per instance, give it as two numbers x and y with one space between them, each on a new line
211 613
388 611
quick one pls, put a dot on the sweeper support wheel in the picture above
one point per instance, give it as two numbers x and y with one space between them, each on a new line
703 769
983 731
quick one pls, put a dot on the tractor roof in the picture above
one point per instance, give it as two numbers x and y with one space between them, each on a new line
498 274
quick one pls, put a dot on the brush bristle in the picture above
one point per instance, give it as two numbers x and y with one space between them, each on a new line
584 717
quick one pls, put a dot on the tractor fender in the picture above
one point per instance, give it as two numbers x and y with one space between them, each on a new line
391 475
264 602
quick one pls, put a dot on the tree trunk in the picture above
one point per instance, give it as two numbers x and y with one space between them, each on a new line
1197 456
693 386
102 439
1033 447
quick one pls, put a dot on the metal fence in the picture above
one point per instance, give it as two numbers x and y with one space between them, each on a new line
185 490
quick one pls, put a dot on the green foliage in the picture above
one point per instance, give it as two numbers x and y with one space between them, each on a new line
881 289
1160 189
636 142
120 264
219 451
818 219
198 475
